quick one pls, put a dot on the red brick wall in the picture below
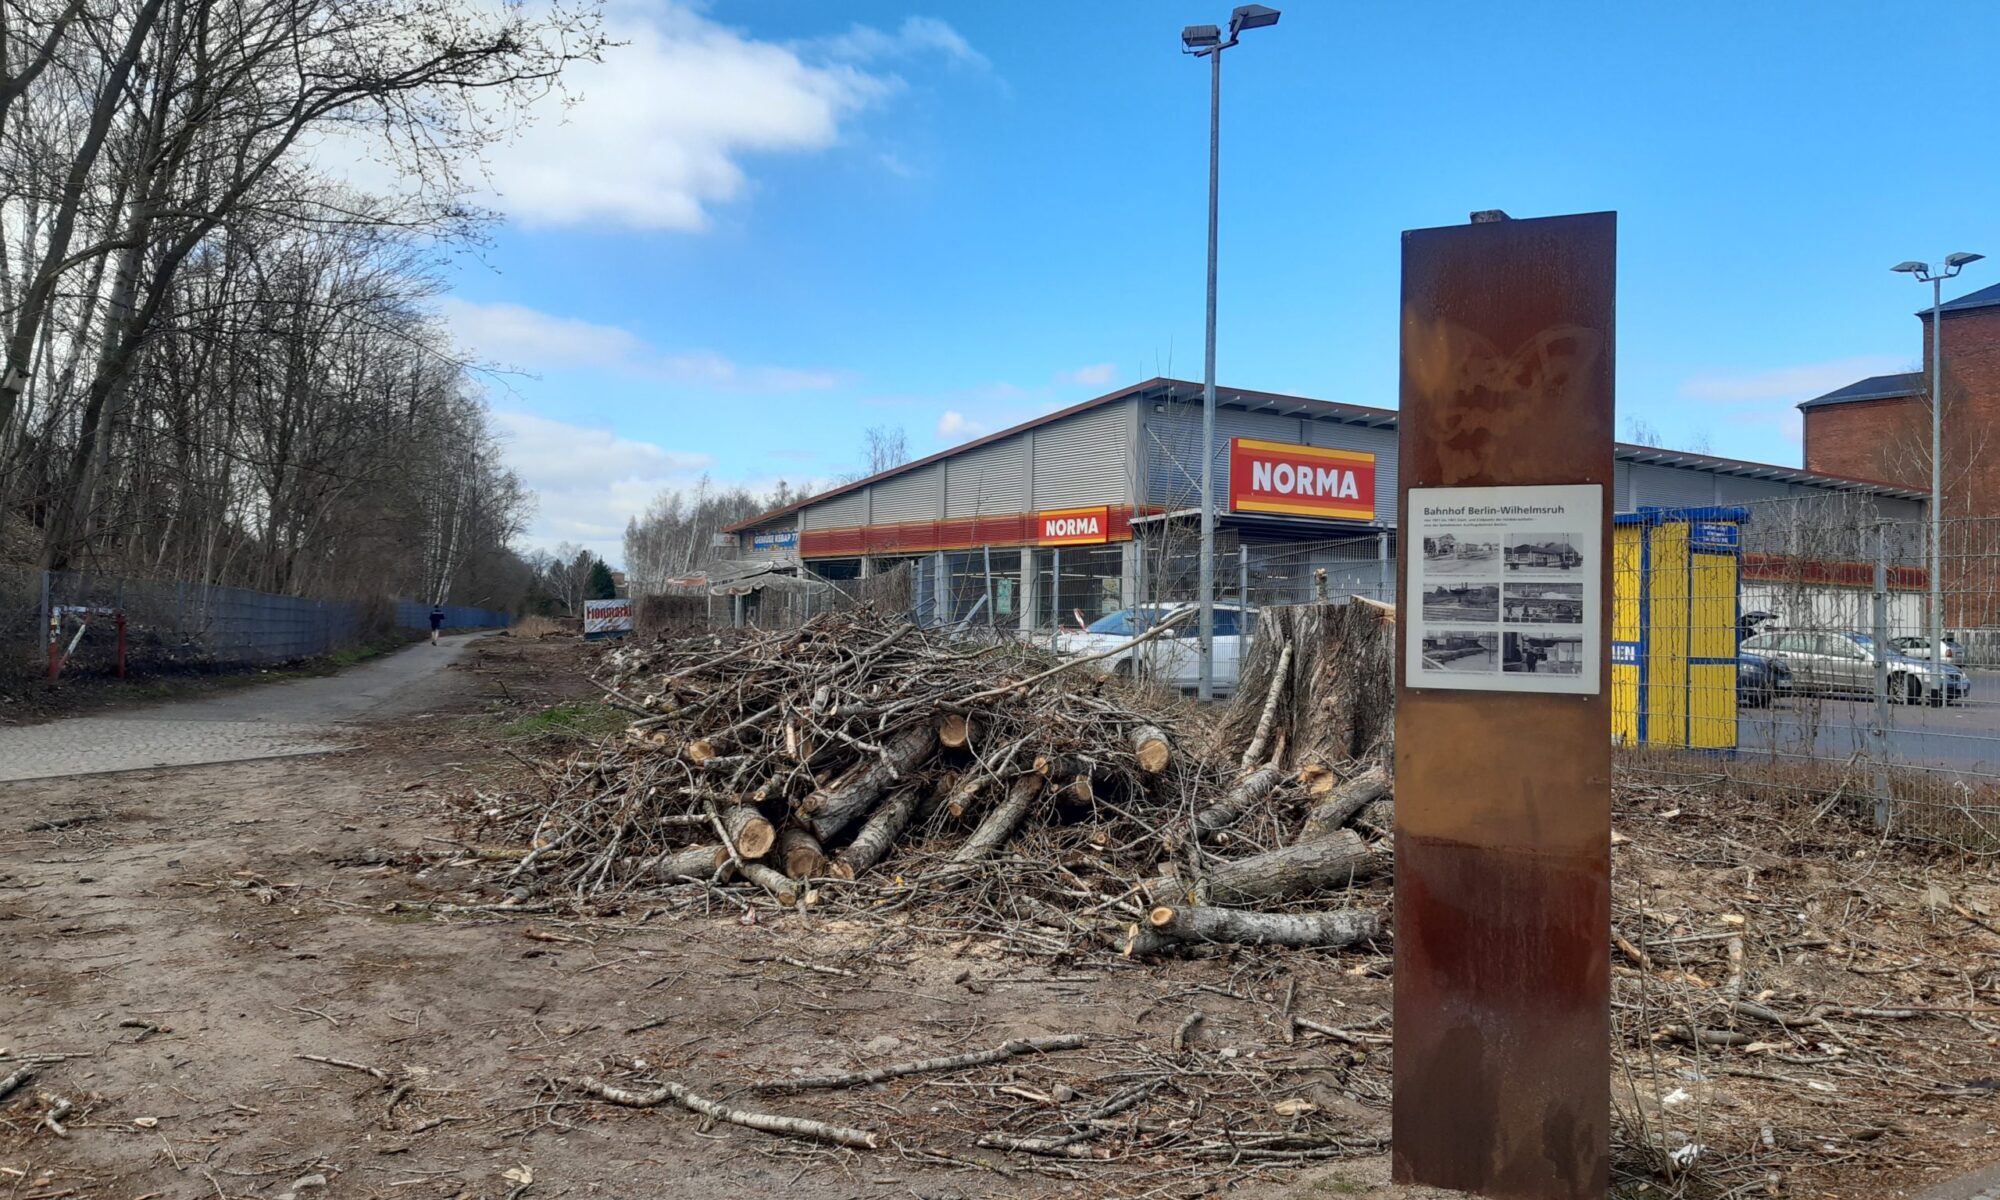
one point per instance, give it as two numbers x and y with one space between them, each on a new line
1868 439
1971 411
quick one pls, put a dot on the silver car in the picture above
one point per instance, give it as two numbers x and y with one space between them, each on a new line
1831 663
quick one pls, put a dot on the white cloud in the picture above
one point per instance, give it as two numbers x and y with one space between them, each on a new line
589 482
527 338
917 35
1793 384
1097 375
663 126
955 425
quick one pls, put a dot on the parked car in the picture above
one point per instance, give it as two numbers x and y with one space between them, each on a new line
1920 647
1754 622
1834 663
1174 657
1761 680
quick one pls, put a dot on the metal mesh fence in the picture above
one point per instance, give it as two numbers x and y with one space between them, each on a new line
1786 647
169 625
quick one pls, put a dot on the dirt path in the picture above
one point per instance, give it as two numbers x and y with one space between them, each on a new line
279 720
173 942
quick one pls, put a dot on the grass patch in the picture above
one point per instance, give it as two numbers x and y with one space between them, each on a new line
354 656
575 720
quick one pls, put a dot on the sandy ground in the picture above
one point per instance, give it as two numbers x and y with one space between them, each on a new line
175 944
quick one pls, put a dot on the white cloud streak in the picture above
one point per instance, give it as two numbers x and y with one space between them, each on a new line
527 338
589 482
1794 383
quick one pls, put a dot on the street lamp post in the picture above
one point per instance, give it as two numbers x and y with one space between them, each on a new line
1953 264
1205 41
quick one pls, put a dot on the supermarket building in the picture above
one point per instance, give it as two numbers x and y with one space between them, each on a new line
1093 508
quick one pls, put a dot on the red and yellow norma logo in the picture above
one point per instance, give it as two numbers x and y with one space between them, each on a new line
1075 526
1300 481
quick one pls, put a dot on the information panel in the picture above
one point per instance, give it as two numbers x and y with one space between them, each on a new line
606 618
1503 589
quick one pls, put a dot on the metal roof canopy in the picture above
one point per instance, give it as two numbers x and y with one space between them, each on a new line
1180 391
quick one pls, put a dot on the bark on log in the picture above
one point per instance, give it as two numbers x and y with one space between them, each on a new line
1248 790
883 827
1151 747
1347 799
841 803
749 832
1000 823
1320 865
781 888
801 853
1252 752
696 862
1333 929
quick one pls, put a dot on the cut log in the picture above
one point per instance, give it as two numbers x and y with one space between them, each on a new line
1347 799
802 855
964 795
1151 747
1248 790
1320 865
1319 780
844 801
749 832
954 731
1000 823
701 750
781 888
880 832
702 863
1329 929
1253 753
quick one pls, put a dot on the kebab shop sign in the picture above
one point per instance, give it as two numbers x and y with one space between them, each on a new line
1300 481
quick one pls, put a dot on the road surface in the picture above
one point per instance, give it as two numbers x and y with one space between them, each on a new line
268 721
1963 738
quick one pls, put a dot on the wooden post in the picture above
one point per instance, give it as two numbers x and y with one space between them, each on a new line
1502 991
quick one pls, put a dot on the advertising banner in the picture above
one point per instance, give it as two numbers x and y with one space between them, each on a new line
606 618
1300 481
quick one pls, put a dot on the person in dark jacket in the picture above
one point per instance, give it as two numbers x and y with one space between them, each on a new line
437 622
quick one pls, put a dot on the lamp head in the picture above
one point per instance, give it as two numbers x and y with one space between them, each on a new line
1201 37
1955 261
1250 16
1912 267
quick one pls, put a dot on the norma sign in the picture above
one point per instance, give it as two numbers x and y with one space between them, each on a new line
606 618
1074 526
785 540
1300 481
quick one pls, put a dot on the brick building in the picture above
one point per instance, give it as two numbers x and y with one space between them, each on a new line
1880 428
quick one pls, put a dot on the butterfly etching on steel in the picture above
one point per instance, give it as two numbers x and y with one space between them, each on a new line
1483 389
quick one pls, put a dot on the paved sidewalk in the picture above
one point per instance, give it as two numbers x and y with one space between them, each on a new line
262 721
1980 1185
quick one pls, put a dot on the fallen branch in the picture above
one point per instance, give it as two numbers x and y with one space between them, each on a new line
802 1127
1330 929
977 1058
345 1065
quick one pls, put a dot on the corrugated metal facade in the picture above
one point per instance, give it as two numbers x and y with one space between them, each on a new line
1085 459
912 496
988 481
1379 442
1667 487
836 513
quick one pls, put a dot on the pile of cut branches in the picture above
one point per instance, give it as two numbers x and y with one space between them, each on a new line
858 753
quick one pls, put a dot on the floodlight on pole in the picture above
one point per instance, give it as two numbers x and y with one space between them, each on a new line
1204 41
1953 264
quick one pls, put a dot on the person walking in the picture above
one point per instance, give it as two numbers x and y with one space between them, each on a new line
437 622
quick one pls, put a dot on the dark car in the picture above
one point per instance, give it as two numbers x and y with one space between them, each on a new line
1760 681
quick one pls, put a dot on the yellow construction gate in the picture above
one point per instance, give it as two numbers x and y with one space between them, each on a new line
1673 626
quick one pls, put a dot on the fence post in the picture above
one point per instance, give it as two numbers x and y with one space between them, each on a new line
1242 579
48 630
1880 734
1055 596
1383 591
986 552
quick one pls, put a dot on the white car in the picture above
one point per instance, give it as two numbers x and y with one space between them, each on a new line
1174 657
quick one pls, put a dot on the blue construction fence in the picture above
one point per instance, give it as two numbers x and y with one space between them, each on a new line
412 615
169 625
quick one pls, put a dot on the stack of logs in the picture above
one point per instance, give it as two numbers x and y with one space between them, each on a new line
798 763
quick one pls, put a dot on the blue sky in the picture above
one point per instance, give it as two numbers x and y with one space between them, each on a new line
766 226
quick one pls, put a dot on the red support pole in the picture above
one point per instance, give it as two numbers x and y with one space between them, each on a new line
55 659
